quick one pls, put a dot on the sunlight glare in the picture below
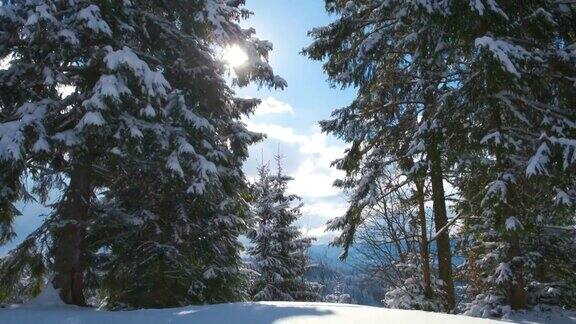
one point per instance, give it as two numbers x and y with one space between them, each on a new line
235 56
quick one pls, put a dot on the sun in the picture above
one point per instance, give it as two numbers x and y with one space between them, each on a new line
235 56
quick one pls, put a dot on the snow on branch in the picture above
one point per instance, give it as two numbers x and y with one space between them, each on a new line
153 82
503 52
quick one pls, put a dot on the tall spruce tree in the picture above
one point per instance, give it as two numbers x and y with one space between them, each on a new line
395 54
478 93
109 97
516 175
279 252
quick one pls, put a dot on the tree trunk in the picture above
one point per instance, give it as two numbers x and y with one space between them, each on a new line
515 289
439 199
69 237
424 251
516 294
440 220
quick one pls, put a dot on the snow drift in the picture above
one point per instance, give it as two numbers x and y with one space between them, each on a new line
251 313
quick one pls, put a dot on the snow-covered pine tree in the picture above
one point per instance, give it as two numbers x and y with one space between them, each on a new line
338 296
411 293
279 252
395 54
516 99
105 96
54 135
495 93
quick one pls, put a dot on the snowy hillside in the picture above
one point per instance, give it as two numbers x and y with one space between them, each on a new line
250 313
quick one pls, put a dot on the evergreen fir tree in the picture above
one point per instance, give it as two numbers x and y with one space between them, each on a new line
411 294
279 252
516 173
109 97
395 53
475 92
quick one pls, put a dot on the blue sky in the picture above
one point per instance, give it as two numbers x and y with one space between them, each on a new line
307 100
289 117
285 24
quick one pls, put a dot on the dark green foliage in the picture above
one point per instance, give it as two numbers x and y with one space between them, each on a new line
279 252
146 150
477 93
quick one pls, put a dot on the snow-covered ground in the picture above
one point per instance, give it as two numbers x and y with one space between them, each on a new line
47 309
252 313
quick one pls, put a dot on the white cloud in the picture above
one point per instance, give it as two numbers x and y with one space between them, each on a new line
276 132
319 233
313 176
316 214
313 179
272 105
325 209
